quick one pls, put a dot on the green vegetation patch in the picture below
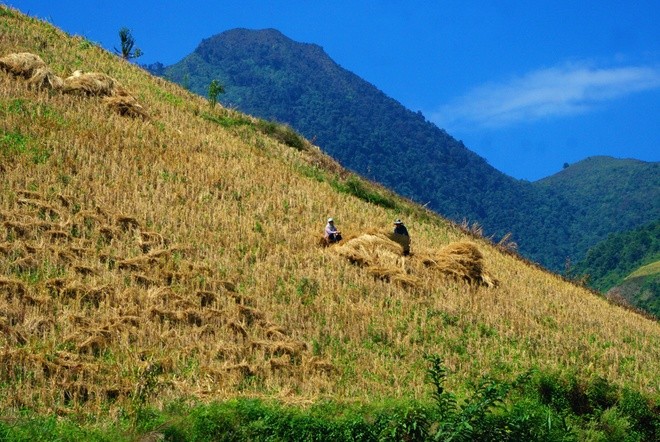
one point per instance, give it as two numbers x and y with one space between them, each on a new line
26 108
227 121
279 132
4 12
535 406
168 97
647 270
360 189
14 144
282 133
312 172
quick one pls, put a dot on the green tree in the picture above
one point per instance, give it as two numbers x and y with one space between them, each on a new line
128 49
215 89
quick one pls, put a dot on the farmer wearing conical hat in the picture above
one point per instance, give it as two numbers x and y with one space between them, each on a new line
400 229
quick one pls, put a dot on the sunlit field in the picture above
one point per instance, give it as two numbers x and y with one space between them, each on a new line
178 254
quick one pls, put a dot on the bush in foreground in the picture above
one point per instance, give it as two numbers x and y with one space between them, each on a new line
535 407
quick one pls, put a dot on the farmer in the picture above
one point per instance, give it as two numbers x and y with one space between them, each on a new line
400 229
332 235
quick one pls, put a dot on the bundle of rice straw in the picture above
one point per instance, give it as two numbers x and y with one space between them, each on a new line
32 67
39 75
126 105
22 64
92 83
461 260
44 78
383 258
379 255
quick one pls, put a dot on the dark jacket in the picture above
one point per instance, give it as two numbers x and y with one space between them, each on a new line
401 229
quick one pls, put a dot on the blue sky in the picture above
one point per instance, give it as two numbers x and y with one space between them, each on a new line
528 85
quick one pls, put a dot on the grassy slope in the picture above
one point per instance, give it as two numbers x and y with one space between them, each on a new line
233 296
647 270
640 288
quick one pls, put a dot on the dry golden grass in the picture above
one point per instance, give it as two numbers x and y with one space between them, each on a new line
172 257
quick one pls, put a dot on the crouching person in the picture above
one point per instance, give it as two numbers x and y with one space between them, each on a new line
332 235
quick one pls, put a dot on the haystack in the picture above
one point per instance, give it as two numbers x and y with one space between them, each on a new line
39 75
44 78
461 260
402 240
379 255
22 64
126 105
370 248
92 83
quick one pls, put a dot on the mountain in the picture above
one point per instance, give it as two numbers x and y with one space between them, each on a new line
610 195
163 277
625 264
268 75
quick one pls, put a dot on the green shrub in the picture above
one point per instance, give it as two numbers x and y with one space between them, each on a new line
356 187
226 121
576 394
555 392
463 422
51 428
617 427
251 419
215 89
601 394
529 420
282 133
644 416
216 422
531 408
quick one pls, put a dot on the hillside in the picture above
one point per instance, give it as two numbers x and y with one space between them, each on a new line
174 255
641 289
268 75
624 264
613 195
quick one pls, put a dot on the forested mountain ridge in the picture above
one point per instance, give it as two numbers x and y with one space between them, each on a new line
607 193
269 75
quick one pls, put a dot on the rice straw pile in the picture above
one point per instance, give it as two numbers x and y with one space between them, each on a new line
87 84
379 255
382 256
461 260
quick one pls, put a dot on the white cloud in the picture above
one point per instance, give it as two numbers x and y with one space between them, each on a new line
564 90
